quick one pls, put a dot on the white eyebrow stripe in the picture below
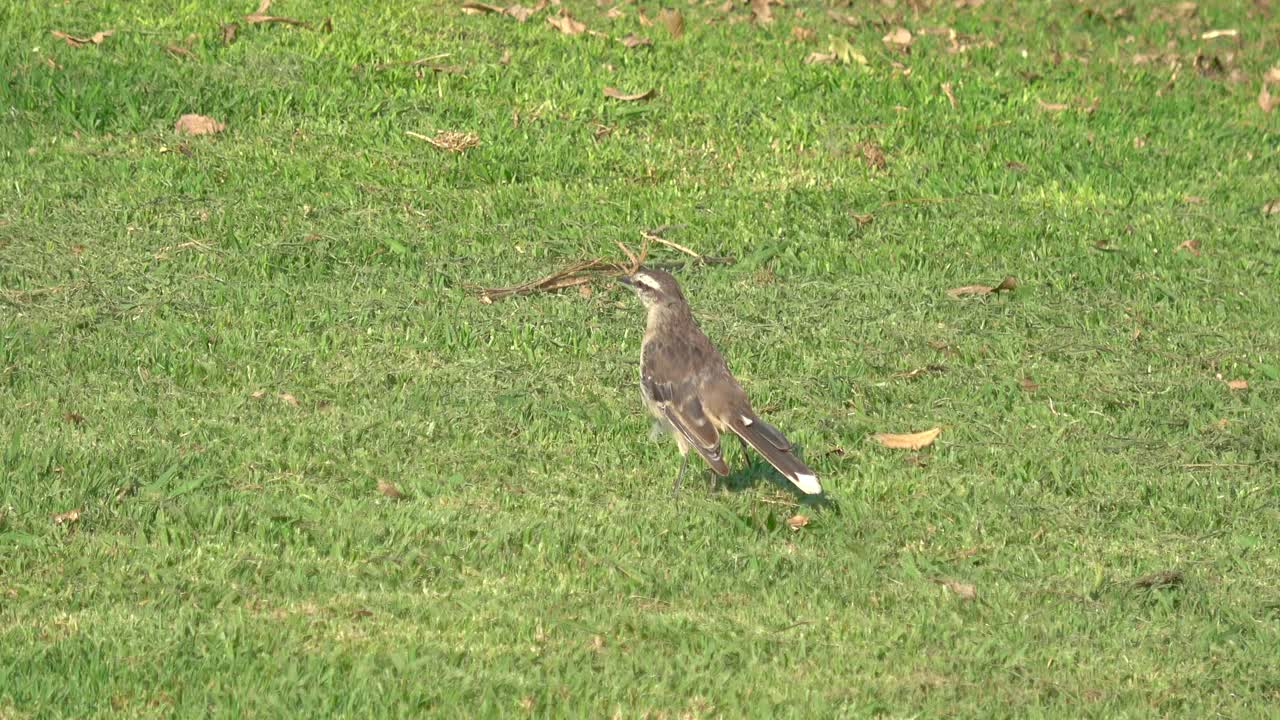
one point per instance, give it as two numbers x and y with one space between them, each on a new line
648 281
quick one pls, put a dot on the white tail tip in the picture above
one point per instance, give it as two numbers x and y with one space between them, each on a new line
808 484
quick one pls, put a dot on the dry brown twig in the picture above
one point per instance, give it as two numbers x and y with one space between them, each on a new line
582 272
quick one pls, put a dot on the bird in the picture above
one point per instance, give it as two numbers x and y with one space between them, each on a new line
689 390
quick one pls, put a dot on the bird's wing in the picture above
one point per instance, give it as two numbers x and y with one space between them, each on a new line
669 383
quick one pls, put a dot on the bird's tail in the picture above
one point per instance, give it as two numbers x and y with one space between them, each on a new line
774 446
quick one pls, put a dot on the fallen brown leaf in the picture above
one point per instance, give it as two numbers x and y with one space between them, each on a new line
873 155
795 522
179 51
229 32
1272 207
633 41
799 33
76 41
1211 34
192 124
1052 107
643 19
951 96
817 58
760 12
1191 246
1028 385
962 590
449 140
479 8
1272 75
1265 101
673 20
361 613
908 441
898 38
258 394
1193 199
66 518
506 57
1164 578
74 418
585 291
565 23
1009 283
615 13
390 490
260 18
617 94
287 399
520 12
1238 384
862 218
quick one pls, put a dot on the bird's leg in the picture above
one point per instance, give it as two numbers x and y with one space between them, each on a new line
684 461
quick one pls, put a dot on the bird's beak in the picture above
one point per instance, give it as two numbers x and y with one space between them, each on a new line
626 280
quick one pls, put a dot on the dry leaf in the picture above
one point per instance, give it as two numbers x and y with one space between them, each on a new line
288 399
873 155
390 490
617 94
673 20
1192 199
1164 578
1265 101
585 291
1272 75
633 41
908 441
1009 283
962 590
520 12
1191 246
506 57
449 140
795 522
1028 385
479 8
74 418
566 24
863 218
75 41
643 19
898 38
66 518
817 58
1052 107
1238 384
259 18
1139 142
1272 207
1210 35
799 33
951 96
179 51
192 124
760 12
258 394
615 13
229 32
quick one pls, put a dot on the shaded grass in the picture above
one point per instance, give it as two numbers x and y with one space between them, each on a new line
234 556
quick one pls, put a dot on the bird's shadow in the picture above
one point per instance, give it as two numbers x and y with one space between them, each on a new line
755 471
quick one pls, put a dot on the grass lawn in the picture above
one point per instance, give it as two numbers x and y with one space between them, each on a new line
215 348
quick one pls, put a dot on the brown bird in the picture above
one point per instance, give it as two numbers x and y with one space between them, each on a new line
688 388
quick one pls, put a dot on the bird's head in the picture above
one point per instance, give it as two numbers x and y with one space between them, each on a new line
657 289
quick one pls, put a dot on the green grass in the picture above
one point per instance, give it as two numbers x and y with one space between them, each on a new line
234 557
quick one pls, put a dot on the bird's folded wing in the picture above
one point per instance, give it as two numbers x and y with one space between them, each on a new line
680 405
